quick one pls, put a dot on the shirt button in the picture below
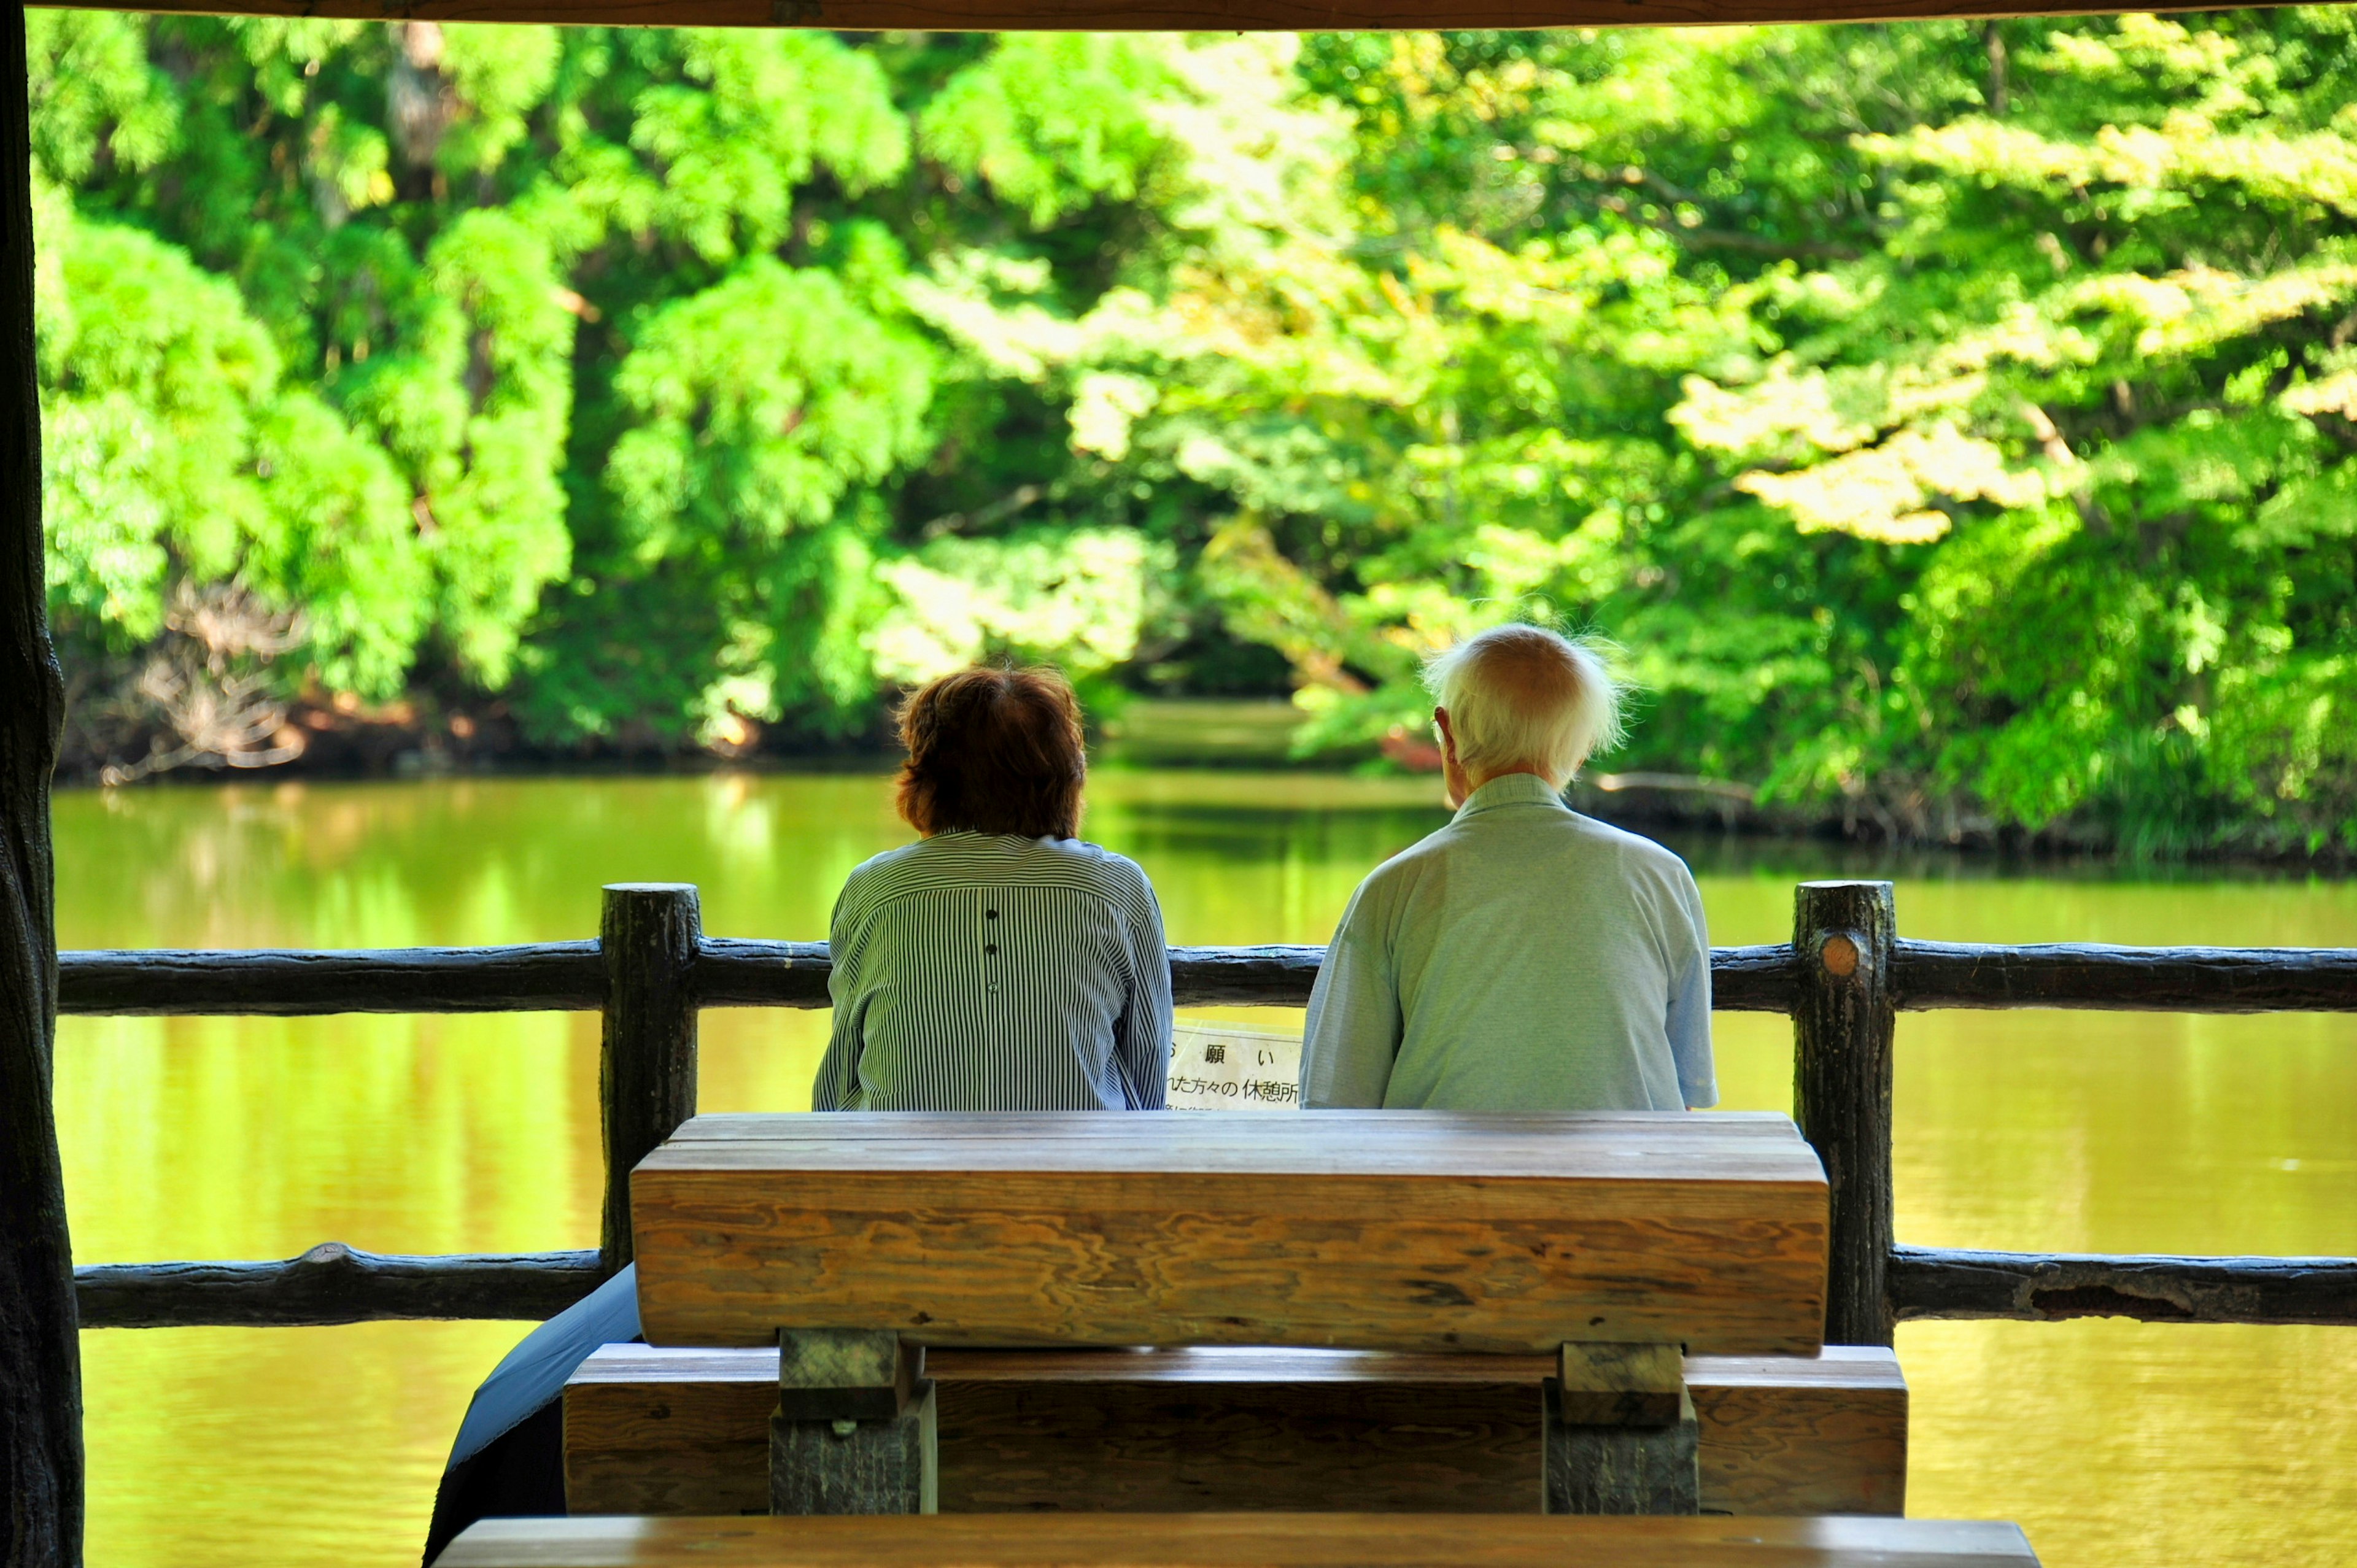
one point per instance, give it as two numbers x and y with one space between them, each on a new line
991 948
993 914
994 988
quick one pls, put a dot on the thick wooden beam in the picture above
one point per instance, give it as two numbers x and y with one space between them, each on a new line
40 1365
2136 979
1467 1233
1157 15
1841 1087
334 1283
646 1071
1934 1282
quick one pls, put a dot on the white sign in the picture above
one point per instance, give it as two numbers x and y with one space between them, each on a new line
1232 1067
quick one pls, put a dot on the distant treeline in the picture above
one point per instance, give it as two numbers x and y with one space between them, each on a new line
1952 421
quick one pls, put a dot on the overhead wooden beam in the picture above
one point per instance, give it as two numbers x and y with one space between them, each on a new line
1150 16
40 1367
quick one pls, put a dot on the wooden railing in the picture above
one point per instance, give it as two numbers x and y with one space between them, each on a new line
1842 979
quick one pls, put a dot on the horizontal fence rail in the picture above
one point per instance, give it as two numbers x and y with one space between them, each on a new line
545 977
2045 1287
334 1284
568 977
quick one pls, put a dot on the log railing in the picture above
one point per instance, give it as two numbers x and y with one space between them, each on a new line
1841 980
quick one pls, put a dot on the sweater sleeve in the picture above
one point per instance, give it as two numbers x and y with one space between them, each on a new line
1353 1035
1688 1019
1142 1035
837 1083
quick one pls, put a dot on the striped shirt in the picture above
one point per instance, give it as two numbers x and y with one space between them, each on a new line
982 971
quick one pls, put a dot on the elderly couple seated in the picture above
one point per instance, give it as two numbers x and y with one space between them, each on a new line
1523 958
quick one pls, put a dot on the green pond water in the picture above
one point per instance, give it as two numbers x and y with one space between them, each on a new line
2113 1444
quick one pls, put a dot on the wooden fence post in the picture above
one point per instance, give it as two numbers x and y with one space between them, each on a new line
646 1075
1841 1026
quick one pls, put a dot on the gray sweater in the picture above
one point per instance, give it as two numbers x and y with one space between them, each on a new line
1523 958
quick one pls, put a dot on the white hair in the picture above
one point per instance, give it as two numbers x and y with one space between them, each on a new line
1523 697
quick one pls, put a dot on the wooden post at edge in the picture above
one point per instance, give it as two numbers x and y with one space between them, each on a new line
646 1072
40 1359
1843 1024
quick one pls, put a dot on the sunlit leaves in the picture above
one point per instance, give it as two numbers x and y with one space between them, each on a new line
760 403
1055 120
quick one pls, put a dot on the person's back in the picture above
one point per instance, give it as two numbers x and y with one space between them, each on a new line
989 972
1000 962
1524 957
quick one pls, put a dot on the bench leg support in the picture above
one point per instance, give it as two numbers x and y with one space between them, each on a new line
1620 1432
854 1431
856 1466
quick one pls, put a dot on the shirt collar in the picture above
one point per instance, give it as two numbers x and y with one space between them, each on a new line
1512 790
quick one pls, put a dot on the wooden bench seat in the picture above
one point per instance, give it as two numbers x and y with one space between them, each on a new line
1437 1231
1237 1541
667 1431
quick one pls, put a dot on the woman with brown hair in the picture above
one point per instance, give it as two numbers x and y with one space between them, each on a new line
1000 962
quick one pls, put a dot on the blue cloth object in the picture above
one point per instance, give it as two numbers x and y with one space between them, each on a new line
532 1375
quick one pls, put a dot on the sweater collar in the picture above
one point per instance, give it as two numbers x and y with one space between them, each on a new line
1510 790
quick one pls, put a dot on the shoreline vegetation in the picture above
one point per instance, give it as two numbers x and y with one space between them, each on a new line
1239 738
1956 422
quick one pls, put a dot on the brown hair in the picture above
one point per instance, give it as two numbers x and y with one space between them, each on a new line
993 751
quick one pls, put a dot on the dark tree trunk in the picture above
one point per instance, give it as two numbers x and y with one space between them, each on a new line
40 1365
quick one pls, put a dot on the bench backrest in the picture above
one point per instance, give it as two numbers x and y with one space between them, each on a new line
1367 1231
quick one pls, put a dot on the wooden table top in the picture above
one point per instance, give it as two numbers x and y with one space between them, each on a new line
1743 1146
1238 1541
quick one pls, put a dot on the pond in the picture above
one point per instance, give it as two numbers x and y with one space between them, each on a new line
2113 1444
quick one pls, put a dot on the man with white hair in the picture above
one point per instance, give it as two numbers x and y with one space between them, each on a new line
1524 957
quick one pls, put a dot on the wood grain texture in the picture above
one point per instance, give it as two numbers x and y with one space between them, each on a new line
334 1283
1621 1385
1842 1060
1234 1541
1794 1436
650 1430
41 1466
1130 1447
1936 1281
1354 1230
1169 16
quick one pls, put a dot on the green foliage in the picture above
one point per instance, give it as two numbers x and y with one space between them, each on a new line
1953 422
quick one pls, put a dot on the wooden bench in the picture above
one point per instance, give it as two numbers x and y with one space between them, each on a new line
1606 1242
650 1430
1238 1541
1361 1231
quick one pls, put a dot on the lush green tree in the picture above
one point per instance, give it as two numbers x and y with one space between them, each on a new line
1951 421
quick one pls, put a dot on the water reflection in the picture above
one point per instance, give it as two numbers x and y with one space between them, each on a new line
2114 1443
